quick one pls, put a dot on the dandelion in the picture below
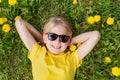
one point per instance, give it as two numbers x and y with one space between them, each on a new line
6 28
110 21
97 18
5 20
72 47
0 1
107 59
116 71
91 20
102 25
75 2
17 17
1 21
78 44
12 2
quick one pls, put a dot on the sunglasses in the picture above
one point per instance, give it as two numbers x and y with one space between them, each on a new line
62 38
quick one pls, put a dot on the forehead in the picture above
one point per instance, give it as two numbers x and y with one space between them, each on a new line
59 29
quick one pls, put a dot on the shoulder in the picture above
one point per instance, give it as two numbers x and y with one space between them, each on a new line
37 49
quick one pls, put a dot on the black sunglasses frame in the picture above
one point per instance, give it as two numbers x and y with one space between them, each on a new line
54 36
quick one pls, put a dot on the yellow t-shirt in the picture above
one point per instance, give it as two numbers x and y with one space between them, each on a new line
47 66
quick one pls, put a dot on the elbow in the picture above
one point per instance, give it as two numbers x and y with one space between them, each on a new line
96 34
17 22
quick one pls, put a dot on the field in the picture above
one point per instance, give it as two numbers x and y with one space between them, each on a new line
102 63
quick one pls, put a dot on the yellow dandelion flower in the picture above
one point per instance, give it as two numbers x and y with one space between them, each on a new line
75 2
5 19
6 28
91 20
102 25
1 21
110 21
17 17
116 71
97 18
12 2
0 1
72 47
78 44
107 59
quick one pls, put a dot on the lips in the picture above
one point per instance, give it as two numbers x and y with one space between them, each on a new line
56 47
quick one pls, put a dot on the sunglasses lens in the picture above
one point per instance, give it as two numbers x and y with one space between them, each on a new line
52 36
64 38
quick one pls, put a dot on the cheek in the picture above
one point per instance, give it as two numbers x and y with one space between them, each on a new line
47 42
69 42
65 45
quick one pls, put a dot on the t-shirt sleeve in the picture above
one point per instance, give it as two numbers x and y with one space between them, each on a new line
75 59
35 52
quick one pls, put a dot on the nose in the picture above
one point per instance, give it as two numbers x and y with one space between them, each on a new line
57 40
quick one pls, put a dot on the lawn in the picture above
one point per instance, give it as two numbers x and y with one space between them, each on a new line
102 63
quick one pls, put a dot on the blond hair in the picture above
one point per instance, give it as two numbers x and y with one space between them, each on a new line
53 21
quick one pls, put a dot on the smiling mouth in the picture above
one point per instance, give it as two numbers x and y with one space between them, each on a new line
56 47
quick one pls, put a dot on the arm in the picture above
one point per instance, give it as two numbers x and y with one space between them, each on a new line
88 41
27 33
36 34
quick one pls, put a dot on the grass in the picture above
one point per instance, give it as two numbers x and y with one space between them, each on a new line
14 64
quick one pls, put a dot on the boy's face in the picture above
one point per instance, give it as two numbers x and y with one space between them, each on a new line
57 39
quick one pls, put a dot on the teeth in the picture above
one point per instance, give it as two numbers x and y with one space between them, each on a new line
56 47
